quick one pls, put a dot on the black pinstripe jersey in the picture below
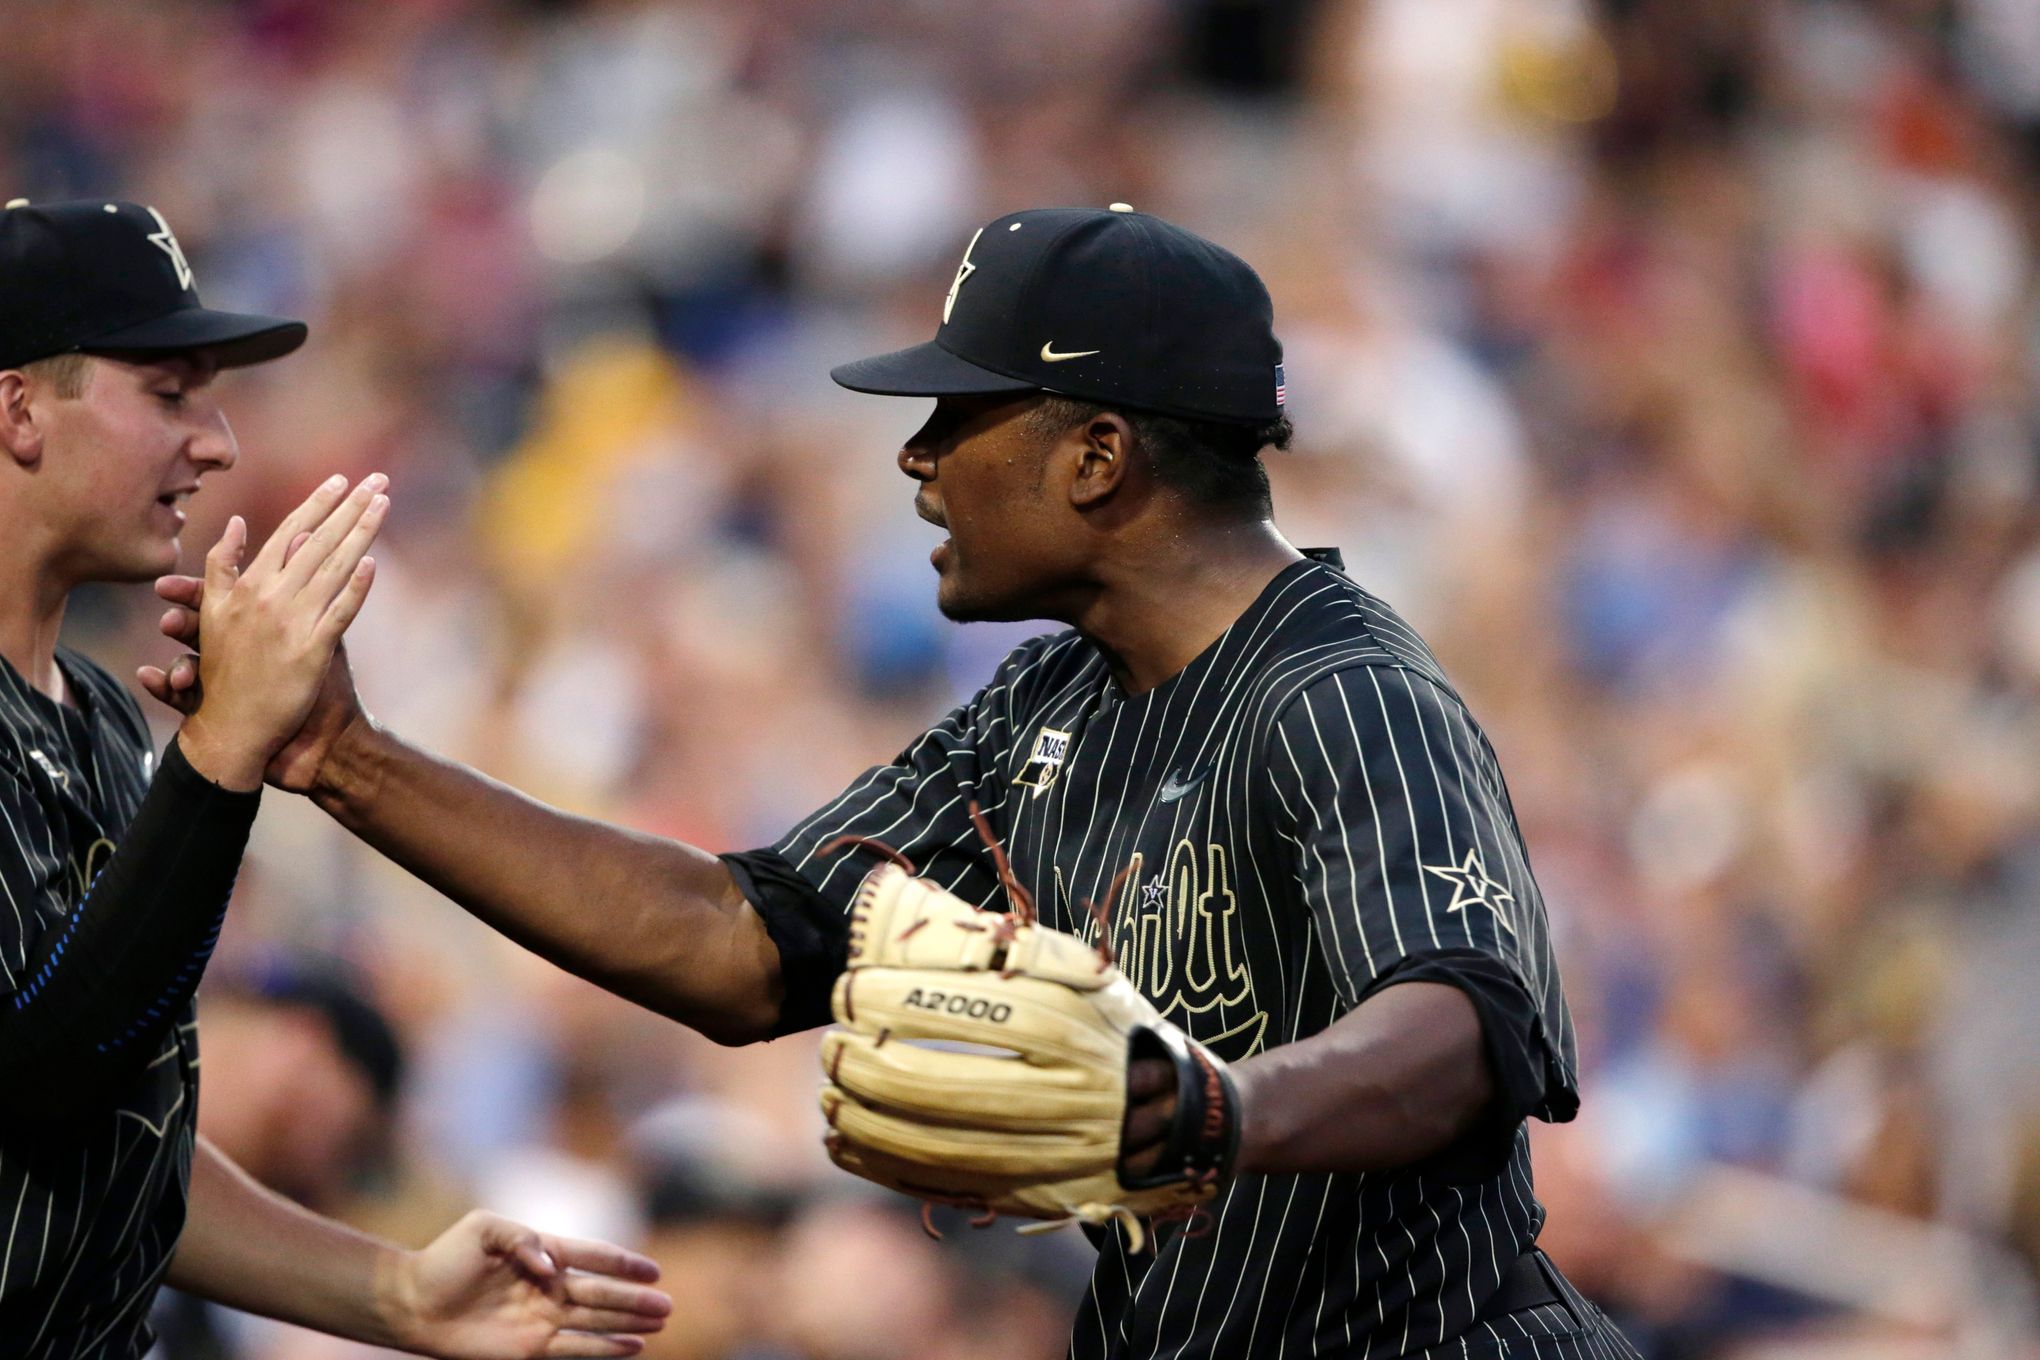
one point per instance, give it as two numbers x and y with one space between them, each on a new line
89 1212
1310 813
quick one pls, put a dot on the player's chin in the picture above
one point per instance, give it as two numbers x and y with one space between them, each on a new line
960 604
143 558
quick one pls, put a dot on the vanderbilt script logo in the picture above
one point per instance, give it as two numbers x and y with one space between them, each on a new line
85 869
1181 943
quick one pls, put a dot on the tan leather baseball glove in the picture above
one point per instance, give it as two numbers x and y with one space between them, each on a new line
983 1061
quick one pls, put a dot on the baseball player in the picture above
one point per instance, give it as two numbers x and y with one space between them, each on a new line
115 869
1225 874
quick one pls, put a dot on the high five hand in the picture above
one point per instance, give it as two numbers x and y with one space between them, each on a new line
271 630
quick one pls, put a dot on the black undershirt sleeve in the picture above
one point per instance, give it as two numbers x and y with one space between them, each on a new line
812 933
99 990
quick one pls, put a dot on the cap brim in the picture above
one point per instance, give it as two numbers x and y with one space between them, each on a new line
235 339
926 370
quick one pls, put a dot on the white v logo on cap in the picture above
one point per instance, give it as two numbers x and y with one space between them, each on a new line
1050 356
963 271
166 242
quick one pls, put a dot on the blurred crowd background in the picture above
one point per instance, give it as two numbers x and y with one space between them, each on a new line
1672 364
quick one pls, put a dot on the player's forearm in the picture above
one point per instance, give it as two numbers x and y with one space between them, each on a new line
248 1247
100 989
660 923
1397 1080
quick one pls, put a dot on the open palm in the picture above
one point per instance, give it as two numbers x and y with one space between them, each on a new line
491 1289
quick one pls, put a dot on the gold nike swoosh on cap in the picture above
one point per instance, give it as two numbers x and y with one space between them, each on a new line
1049 356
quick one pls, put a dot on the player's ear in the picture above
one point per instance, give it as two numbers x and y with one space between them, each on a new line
1104 449
21 431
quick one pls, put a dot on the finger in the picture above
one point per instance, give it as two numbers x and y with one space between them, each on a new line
1148 1123
940 1181
348 603
297 541
223 561
184 590
332 575
310 513
1139 1165
583 1343
501 1237
533 1259
602 1258
607 1320
183 673
1147 1078
938 1084
329 533
613 1295
157 682
1057 1148
180 625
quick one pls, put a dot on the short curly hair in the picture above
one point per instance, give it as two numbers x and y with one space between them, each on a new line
1212 464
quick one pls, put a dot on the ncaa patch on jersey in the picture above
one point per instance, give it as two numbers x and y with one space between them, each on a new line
1045 763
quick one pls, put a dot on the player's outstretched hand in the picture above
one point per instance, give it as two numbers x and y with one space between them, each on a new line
491 1289
312 700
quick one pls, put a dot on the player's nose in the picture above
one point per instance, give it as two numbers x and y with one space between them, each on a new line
917 462
212 443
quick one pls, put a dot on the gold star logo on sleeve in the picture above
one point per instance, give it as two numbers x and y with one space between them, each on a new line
1471 887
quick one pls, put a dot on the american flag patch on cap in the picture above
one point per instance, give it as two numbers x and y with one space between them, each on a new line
1281 388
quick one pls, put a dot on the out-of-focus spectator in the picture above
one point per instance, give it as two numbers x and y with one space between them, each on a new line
302 1087
719 1192
1674 364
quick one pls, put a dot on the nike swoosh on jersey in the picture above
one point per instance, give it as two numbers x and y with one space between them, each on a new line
1050 356
1174 788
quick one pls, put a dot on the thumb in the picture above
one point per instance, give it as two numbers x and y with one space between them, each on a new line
223 562
501 1237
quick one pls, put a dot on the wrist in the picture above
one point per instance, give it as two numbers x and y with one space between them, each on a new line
350 768
398 1318
1257 1135
231 764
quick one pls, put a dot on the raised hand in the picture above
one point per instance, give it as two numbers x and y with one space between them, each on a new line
491 1289
252 699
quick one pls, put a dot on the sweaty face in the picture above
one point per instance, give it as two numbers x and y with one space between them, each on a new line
121 459
982 476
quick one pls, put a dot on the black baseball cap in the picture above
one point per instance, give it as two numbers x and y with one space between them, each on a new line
110 277
1109 305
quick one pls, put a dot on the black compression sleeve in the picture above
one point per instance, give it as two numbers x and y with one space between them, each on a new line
100 990
813 935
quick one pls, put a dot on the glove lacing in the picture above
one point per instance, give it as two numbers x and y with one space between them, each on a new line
1021 911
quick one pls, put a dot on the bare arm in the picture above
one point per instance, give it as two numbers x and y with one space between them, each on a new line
250 1248
487 1288
1400 1078
655 921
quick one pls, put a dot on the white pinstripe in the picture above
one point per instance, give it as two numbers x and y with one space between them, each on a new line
1255 722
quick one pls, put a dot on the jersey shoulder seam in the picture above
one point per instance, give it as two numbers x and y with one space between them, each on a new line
1294 688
